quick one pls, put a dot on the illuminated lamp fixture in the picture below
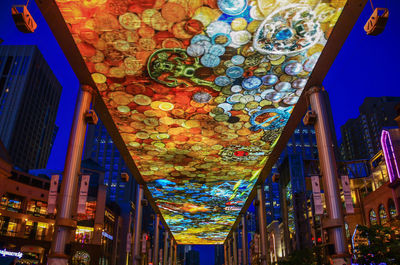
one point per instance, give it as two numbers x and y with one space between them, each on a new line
377 22
91 117
124 177
310 118
391 153
275 177
23 19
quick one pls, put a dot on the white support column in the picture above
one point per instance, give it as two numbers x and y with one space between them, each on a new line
64 223
334 224
262 215
138 227
156 239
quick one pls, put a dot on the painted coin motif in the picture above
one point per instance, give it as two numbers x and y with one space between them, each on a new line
218 27
293 68
232 7
195 50
234 72
216 50
269 80
222 81
283 87
238 59
210 60
202 97
288 30
251 83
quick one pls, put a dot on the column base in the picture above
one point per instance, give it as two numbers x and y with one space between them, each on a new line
57 261
341 259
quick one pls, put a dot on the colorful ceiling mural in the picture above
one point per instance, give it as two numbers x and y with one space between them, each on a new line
200 91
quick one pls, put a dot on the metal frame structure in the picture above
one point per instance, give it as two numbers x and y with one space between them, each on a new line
338 36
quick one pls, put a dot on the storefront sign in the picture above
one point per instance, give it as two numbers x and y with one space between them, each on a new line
319 208
106 235
144 241
347 194
83 193
128 242
5 252
52 199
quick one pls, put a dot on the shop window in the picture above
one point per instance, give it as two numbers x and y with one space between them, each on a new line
42 229
372 217
382 214
37 208
90 211
346 227
3 202
392 209
11 203
83 234
29 258
81 258
9 226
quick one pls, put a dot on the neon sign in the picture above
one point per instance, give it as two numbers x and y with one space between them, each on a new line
106 235
5 252
392 158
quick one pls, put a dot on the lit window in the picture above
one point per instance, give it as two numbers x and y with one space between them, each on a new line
372 217
392 209
382 214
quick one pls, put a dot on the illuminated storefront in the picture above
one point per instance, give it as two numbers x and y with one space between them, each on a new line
83 234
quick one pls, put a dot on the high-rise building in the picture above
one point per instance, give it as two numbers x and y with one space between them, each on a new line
219 255
361 136
286 196
100 147
303 143
29 98
193 257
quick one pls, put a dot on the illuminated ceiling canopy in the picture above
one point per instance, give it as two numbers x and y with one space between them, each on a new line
200 91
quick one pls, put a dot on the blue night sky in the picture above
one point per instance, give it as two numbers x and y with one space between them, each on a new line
366 66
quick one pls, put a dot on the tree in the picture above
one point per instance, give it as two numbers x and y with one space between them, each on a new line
299 257
383 246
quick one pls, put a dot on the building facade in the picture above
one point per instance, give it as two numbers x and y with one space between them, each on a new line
29 98
361 136
26 227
